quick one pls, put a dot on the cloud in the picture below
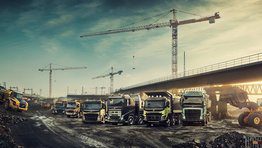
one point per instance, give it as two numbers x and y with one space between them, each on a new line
61 20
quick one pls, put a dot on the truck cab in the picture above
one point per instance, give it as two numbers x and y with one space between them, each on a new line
72 109
59 107
93 111
195 108
159 109
124 109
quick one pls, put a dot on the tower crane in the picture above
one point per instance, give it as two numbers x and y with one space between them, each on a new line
173 23
50 69
111 75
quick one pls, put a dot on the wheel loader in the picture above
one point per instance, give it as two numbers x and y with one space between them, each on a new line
253 117
13 100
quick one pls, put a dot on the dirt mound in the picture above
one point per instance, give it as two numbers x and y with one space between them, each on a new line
228 140
233 139
7 120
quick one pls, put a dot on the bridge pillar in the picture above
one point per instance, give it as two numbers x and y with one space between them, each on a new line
213 108
222 109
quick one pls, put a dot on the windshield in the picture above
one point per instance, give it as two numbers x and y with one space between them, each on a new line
154 103
92 106
71 105
194 100
59 105
116 101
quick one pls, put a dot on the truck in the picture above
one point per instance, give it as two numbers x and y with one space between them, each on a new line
124 109
59 107
93 111
160 109
13 100
72 109
195 105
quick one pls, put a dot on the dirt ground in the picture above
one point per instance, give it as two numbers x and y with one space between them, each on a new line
42 129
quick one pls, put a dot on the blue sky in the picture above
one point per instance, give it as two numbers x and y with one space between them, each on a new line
35 33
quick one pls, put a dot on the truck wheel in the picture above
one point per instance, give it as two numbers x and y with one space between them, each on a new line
131 120
255 120
68 116
241 118
114 123
148 125
168 122
140 120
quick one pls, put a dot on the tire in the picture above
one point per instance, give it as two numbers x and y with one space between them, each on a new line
114 123
177 120
68 116
131 120
167 123
241 119
140 120
203 123
255 120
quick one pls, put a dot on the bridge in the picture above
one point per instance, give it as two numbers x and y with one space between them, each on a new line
239 70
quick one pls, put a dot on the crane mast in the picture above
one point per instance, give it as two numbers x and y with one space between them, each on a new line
173 23
50 69
111 76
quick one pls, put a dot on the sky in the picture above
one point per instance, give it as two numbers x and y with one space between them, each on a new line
35 33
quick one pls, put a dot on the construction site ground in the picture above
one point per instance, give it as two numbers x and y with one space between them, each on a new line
40 128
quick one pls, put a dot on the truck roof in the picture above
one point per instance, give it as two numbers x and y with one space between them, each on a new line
159 94
193 94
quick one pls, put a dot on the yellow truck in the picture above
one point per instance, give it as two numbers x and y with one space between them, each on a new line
73 109
160 108
13 100
93 111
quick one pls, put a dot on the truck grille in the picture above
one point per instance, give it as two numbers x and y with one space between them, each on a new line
70 111
59 111
153 117
114 117
192 114
91 117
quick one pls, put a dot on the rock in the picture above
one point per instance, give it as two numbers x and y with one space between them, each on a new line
232 139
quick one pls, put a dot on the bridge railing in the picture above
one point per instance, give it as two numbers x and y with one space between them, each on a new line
209 68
